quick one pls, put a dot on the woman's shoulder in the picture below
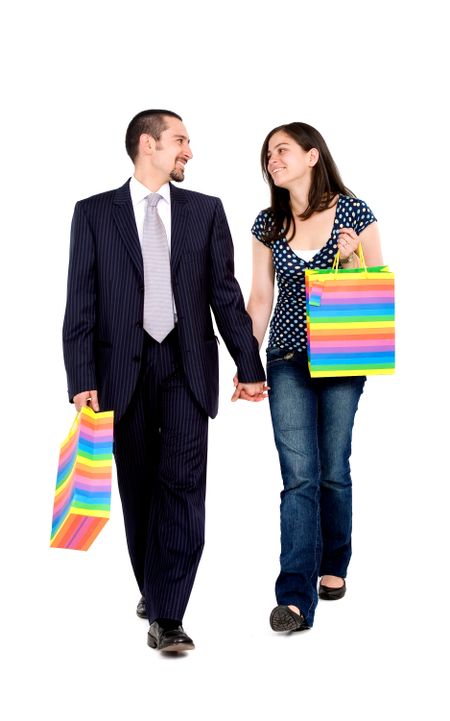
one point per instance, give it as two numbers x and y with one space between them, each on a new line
356 205
264 222
356 211
265 217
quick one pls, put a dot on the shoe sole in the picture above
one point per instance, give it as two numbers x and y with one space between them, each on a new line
283 619
173 648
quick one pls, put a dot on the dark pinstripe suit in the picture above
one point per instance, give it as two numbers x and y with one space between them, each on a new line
161 395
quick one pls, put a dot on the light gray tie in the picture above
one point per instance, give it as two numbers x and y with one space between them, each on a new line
158 298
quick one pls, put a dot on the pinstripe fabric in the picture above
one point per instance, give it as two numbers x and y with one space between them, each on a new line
103 334
160 452
161 425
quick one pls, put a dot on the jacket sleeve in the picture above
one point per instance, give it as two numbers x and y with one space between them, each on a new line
80 315
227 303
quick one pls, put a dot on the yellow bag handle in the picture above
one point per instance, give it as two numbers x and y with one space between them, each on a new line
362 261
77 418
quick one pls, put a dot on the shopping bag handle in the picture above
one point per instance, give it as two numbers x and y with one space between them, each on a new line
75 421
362 261
77 418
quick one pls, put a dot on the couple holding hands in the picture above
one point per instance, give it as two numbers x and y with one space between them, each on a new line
148 263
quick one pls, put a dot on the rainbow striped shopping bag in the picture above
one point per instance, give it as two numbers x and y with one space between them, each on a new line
350 320
83 484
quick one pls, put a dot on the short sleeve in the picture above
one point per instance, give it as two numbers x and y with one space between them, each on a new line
362 216
263 223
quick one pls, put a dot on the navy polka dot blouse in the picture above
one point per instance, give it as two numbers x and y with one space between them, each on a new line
288 324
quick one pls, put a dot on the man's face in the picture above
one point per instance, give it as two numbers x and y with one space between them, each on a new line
172 150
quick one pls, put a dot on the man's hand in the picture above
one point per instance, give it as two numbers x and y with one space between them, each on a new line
86 398
249 391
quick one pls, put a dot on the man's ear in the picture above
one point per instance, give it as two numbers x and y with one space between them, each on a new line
147 144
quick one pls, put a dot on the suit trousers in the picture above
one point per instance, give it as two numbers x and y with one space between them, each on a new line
160 453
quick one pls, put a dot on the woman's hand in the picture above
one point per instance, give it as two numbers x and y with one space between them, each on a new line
348 242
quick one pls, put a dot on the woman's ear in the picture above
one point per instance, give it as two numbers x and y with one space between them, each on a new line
313 157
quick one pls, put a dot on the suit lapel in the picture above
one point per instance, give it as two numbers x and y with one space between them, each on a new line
124 218
180 213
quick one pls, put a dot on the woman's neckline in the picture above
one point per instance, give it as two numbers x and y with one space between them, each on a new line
317 250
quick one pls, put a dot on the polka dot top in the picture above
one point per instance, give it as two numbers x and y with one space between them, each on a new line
288 324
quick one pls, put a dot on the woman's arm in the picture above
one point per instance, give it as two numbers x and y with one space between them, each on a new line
260 302
371 245
370 240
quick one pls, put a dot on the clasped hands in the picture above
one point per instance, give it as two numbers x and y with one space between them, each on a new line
249 391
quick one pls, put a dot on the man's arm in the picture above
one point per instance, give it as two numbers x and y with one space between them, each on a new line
79 318
227 303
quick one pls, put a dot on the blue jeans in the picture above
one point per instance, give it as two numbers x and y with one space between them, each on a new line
312 421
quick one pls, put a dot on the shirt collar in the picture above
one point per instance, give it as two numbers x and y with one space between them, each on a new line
139 192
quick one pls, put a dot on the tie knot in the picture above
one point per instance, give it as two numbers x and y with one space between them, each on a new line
153 199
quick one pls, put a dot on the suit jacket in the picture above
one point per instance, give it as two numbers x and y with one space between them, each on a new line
103 334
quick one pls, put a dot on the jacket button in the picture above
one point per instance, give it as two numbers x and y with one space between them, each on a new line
139 324
141 288
137 358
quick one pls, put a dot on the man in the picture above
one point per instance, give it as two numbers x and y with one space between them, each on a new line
147 263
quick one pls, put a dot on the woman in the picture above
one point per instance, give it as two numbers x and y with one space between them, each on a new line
312 215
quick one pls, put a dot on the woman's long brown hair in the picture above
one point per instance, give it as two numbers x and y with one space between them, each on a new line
326 180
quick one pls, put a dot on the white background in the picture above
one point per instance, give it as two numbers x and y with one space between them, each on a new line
372 78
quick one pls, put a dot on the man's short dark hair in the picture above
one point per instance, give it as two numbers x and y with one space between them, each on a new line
151 122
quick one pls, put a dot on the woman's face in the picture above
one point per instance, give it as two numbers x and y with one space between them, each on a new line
287 162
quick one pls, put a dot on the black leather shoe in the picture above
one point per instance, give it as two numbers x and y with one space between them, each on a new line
141 609
332 594
284 618
174 640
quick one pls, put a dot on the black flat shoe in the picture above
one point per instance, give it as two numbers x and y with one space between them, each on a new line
284 618
174 640
141 610
332 594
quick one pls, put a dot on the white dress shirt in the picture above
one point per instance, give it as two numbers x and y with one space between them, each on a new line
138 193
